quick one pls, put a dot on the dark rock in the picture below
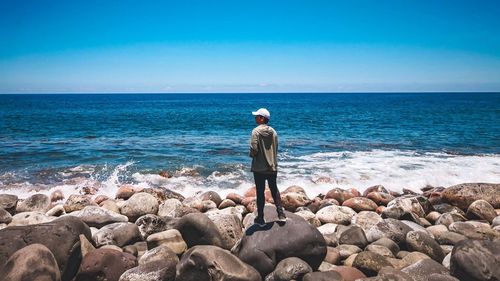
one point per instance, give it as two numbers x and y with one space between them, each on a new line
359 204
119 234
77 202
95 216
349 273
34 203
105 264
206 262
354 236
472 231
388 243
9 203
441 277
323 276
5 217
481 209
198 229
60 236
447 208
422 242
389 273
448 218
264 247
289 269
149 224
423 268
211 195
162 194
449 238
389 228
462 195
131 249
476 260
33 262
370 263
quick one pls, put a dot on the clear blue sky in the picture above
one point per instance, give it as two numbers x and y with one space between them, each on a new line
249 46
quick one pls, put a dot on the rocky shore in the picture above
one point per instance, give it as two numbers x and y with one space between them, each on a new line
448 233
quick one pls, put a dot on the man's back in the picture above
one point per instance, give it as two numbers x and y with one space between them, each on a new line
263 149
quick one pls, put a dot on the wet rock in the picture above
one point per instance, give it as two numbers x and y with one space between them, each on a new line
354 236
389 228
105 264
387 243
346 251
476 260
229 227
423 268
370 263
34 203
264 247
449 238
171 238
64 242
119 234
98 217
289 269
149 224
349 273
462 195
323 276
5 217
422 242
9 203
381 250
340 195
33 262
206 262
472 231
380 198
138 205
366 220
198 229
359 204
335 214
212 196
161 194
77 202
29 218
226 203
481 209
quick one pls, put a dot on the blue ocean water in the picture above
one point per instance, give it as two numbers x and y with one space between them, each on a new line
399 140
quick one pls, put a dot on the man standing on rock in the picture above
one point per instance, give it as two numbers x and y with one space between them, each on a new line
264 150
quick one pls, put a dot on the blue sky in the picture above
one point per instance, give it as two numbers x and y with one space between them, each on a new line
249 46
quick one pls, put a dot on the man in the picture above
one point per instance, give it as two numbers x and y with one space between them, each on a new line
263 150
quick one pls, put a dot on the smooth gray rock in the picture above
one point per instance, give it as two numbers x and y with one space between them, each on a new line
392 274
422 242
229 226
33 262
346 251
389 228
34 203
205 262
138 205
198 229
381 250
482 210
289 269
388 243
335 214
30 218
354 236
476 260
447 219
77 202
98 217
170 208
118 234
449 238
406 207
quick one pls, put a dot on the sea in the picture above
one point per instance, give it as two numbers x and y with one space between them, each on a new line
191 143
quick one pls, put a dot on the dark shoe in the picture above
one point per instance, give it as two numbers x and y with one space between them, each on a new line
281 217
259 221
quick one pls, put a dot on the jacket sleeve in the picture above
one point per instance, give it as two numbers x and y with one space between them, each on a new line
254 148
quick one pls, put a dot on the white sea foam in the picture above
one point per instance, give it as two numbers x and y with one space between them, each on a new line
317 173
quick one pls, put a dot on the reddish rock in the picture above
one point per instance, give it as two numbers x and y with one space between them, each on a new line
211 195
226 203
126 191
332 255
33 262
248 200
349 273
56 195
355 192
462 195
294 189
236 198
380 209
165 174
292 200
314 204
105 264
375 188
252 192
380 198
100 198
359 204
480 209
340 195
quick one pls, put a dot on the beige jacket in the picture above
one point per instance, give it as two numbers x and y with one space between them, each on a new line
264 149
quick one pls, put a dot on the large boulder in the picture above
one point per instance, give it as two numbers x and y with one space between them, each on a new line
462 195
105 264
29 218
206 263
476 260
60 236
33 262
293 200
118 234
34 203
229 227
264 247
289 269
139 204
95 216
212 196
198 229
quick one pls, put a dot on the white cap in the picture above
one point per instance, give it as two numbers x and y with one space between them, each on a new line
262 112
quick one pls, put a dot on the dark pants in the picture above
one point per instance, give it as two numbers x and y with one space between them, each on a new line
260 184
